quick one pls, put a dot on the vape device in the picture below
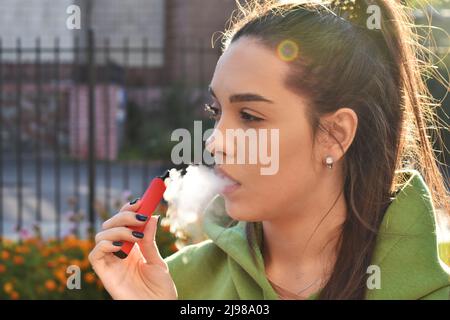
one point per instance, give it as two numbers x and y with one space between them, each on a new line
148 204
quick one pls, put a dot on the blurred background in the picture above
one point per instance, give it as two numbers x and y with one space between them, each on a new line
86 114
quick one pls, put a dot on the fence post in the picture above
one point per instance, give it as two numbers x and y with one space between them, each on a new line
57 146
38 160
18 68
91 132
1 144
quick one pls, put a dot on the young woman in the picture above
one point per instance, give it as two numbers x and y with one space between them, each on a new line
350 214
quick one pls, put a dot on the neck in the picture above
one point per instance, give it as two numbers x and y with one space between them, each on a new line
306 241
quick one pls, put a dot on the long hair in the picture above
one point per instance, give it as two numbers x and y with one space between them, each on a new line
376 72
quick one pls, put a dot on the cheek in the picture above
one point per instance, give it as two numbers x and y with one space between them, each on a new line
298 166
264 196
297 159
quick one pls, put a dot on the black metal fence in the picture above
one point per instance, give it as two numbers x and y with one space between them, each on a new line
62 127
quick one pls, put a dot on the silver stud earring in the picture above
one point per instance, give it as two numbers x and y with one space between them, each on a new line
329 162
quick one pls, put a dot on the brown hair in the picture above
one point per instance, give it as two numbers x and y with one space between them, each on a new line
377 73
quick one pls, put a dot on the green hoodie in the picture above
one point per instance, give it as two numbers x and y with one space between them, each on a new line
406 253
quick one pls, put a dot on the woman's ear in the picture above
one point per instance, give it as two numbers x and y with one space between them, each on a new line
339 132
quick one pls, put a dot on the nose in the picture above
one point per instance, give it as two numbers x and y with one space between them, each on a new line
209 143
214 146
221 143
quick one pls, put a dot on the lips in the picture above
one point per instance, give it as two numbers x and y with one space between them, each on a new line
223 174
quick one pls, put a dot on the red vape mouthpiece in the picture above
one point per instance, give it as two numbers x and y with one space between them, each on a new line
148 204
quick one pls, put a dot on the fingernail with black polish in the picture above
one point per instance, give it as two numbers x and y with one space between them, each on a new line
118 243
141 217
134 201
137 234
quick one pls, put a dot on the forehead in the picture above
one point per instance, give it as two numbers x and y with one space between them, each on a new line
248 66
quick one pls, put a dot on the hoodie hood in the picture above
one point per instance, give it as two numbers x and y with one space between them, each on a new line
406 248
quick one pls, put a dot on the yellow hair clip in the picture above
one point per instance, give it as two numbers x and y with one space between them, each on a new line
347 9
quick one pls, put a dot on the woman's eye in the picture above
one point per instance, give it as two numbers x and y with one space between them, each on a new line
213 112
247 117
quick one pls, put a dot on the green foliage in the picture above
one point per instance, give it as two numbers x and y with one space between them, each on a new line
148 130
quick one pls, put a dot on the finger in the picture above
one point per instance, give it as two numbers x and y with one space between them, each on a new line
101 249
125 218
132 205
149 247
119 234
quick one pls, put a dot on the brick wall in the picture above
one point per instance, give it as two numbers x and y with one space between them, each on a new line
113 19
191 24
107 121
133 20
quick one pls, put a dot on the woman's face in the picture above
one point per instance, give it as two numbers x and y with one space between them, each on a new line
245 71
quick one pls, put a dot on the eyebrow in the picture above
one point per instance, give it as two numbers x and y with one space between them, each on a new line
242 97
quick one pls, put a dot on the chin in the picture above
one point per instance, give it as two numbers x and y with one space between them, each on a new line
241 211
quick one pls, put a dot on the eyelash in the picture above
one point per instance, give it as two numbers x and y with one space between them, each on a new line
214 114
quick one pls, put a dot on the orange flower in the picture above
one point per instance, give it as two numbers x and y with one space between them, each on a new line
2 268
84 264
165 228
18 260
22 249
14 295
173 247
71 241
50 285
8 287
7 241
89 277
60 275
75 262
45 252
5 255
32 241
62 259
85 245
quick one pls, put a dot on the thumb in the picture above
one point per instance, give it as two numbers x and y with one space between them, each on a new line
148 245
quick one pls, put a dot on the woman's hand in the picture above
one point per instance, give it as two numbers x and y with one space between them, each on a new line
143 274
